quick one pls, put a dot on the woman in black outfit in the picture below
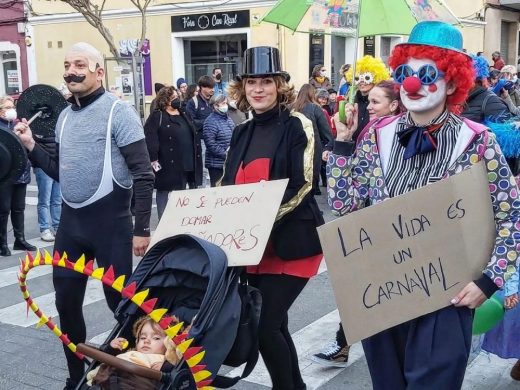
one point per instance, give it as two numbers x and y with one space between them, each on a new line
276 144
172 145
12 194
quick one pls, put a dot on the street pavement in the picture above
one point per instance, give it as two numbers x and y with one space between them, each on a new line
32 358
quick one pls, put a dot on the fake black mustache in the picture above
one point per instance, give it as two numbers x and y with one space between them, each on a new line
74 78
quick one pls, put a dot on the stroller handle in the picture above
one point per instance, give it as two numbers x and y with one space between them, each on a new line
119 364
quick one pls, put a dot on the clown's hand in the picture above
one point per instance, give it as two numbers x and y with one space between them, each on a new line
511 301
347 129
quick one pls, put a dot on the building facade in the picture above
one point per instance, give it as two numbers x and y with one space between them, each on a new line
191 37
13 48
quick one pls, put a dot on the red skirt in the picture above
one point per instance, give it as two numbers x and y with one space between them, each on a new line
307 267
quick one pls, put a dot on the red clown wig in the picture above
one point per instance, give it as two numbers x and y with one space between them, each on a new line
457 68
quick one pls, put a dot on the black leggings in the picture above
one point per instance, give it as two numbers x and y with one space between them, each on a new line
102 230
276 345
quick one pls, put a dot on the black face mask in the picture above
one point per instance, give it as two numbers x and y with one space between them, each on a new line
74 78
176 104
218 76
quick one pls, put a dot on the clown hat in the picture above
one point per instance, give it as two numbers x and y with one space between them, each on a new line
436 34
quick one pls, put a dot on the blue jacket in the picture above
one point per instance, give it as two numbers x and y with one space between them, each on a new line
217 136
220 88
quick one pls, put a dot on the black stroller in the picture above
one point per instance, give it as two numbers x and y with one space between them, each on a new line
190 278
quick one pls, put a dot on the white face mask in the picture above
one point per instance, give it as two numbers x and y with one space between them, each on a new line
323 74
223 109
10 114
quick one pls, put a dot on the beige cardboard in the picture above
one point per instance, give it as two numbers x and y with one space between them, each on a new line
238 218
446 253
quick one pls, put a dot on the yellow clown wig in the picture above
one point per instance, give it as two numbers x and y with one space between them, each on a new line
369 64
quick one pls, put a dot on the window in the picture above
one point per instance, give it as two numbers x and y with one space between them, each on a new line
10 82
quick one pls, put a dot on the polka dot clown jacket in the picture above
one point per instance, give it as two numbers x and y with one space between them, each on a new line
356 179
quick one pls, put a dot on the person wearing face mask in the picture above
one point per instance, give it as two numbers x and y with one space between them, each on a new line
217 135
198 109
12 194
344 83
510 94
172 144
220 84
403 153
319 78
100 157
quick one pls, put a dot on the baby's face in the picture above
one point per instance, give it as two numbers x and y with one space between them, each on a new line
151 340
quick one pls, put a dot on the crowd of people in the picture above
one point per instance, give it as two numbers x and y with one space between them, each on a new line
258 127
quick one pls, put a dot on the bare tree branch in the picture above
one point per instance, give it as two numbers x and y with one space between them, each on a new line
93 15
142 9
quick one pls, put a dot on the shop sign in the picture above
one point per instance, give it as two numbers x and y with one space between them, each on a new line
210 21
369 46
12 78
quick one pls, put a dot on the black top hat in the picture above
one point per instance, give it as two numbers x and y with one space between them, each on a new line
262 61
13 158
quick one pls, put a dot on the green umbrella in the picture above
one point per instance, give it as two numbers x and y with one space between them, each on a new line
376 17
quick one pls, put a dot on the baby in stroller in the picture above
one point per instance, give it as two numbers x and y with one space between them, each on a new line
152 350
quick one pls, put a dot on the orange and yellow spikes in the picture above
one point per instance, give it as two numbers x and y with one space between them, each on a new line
193 361
148 305
108 278
98 273
184 346
119 283
79 265
139 298
201 375
172 331
157 314
47 258
129 291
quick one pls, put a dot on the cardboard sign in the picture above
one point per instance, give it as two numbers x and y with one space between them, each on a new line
239 219
410 255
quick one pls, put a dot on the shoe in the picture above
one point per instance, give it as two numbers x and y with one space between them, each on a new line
515 371
47 235
334 356
4 250
317 191
21 244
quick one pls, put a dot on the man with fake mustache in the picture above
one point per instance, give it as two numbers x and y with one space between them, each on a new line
101 154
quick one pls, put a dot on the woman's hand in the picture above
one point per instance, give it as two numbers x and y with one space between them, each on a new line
511 301
470 296
347 129
119 343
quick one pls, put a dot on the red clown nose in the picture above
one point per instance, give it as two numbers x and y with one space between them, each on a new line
412 84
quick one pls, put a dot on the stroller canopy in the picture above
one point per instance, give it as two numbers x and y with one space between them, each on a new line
189 277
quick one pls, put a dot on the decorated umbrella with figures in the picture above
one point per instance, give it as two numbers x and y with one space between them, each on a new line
375 17
359 18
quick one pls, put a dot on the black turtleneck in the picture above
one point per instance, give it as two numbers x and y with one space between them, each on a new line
266 127
86 100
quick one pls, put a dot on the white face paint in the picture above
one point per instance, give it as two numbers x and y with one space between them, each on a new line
429 97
